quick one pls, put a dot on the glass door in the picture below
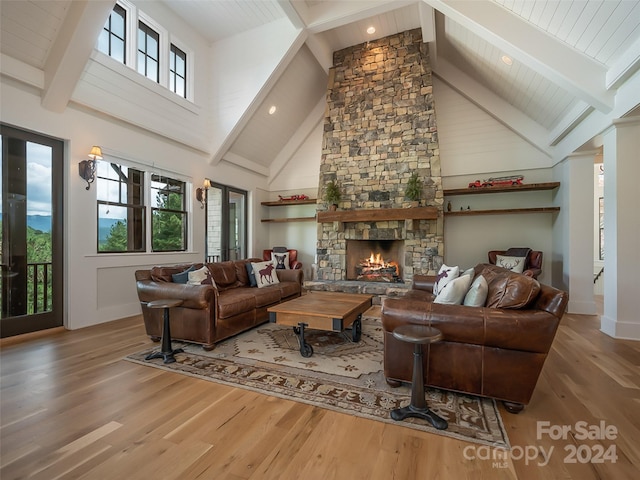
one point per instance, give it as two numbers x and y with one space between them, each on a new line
31 242
226 229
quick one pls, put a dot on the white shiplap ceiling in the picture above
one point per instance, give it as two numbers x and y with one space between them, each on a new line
29 28
569 56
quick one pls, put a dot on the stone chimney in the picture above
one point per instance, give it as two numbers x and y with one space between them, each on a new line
380 127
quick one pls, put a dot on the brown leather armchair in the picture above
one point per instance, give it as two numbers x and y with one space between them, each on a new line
533 263
294 264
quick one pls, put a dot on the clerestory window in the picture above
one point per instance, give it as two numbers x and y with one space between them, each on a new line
113 38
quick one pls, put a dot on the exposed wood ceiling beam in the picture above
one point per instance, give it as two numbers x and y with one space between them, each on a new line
627 65
245 163
505 113
328 15
576 73
577 114
427 22
71 51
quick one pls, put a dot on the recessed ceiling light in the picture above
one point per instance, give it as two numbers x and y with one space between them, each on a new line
506 60
371 30
272 109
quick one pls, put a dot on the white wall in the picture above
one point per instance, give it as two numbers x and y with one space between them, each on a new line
473 145
101 288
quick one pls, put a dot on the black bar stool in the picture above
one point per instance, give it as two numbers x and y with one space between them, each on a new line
418 335
167 352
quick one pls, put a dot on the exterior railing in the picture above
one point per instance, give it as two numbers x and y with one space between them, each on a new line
40 280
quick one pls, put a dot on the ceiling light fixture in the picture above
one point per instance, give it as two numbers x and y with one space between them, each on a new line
272 110
371 30
506 60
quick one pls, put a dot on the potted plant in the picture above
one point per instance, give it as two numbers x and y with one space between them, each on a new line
414 189
332 194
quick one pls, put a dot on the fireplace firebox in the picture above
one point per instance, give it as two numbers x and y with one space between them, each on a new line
375 260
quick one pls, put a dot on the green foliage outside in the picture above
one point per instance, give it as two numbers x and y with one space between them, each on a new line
38 252
167 228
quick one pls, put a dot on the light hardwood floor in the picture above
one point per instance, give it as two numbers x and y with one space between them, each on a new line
72 408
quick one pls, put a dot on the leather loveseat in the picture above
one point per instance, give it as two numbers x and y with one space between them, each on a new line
209 314
491 352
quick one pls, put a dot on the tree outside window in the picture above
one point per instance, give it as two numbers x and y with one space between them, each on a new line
168 214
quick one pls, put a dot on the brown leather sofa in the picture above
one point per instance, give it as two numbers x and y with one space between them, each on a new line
491 352
210 314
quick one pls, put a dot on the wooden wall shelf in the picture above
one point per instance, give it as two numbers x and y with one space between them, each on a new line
286 220
379 215
285 203
509 188
503 211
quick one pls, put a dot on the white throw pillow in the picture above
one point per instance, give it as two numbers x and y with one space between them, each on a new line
454 291
281 260
201 277
515 264
445 275
477 294
469 271
265 273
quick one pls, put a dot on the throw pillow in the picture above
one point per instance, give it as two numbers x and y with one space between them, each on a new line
453 292
511 290
201 277
281 260
515 264
265 273
477 293
445 275
252 277
182 277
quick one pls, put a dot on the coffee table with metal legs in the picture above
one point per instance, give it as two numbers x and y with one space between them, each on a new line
418 335
166 352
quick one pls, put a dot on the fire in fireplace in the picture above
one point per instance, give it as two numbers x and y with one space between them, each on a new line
374 260
376 269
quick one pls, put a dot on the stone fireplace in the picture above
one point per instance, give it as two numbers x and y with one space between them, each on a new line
380 127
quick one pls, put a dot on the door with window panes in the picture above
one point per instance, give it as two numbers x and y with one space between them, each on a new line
226 229
31 284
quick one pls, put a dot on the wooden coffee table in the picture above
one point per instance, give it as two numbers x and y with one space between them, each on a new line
329 311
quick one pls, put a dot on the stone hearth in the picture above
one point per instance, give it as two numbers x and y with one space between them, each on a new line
379 128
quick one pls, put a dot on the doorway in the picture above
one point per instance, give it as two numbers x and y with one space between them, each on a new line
31 218
226 223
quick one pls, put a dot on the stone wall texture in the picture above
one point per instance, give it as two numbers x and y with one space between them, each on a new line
380 127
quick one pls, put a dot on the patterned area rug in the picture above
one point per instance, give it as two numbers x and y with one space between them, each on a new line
340 375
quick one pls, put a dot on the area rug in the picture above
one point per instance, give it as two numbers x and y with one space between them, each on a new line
340 375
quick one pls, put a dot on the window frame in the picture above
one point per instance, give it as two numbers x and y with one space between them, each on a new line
173 73
161 178
165 39
147 174
137 207
111 34
143 51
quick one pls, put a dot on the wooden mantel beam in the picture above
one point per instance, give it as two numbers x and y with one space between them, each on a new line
379 215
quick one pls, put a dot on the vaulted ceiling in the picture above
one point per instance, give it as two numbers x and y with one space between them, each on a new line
567 59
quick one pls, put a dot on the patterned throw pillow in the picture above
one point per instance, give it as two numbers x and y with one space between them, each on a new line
515 264
281 260
201 277
445 275
265 273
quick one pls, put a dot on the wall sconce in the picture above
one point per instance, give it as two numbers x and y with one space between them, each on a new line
201 192
87 168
